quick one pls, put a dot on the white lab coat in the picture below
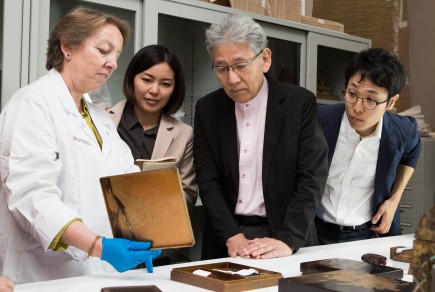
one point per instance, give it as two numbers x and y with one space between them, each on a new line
50 165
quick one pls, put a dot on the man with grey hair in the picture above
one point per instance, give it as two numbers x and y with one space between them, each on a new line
259 151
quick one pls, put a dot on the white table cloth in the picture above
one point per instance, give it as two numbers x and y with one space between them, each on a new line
288 266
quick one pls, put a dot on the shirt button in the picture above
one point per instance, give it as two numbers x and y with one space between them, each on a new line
243 176
245 151
240 201
247 105
248 124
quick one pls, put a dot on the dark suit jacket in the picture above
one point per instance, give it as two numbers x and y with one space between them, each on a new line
294 166
400 144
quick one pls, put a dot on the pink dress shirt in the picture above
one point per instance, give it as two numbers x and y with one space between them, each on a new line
251 119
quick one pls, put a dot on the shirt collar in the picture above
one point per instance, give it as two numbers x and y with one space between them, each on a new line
256 101
152 131
352 134
85 112
129 116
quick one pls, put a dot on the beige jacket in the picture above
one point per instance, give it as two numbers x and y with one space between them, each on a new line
174 139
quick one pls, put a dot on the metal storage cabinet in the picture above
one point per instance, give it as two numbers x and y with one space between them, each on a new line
419 194
302 49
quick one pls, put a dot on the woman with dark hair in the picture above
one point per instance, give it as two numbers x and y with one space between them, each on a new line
55 146
154 90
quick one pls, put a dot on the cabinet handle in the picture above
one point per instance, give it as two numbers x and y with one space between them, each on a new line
405 206
408 188
405 224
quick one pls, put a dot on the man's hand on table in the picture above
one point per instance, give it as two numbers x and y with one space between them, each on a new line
236 245
266 248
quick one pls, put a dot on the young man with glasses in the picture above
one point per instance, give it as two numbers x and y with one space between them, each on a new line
372 152
259 152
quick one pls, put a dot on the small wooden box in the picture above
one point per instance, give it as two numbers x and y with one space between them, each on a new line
335 264
142 206
332 25
223 282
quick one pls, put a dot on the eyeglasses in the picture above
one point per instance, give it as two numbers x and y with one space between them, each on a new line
237 68
368 102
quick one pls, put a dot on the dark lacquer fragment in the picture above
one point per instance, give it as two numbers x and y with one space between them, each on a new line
374 259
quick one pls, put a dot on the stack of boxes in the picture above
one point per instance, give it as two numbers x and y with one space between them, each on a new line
283 9
382 21
328 24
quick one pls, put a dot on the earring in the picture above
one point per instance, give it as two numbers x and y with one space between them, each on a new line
67 56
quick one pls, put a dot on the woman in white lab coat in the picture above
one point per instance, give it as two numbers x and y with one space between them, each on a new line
54 147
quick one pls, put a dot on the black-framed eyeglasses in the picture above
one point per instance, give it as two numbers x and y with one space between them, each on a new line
237 68
368 102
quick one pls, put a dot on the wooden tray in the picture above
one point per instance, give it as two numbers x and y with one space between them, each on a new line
223 282
335 264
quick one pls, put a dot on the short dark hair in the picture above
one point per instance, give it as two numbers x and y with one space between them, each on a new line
148 57
77 25
380 67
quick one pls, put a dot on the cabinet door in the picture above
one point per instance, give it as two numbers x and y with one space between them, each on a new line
181 26
327 59
12 44
46 13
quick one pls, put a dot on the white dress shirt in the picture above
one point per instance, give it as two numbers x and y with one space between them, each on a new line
251 119
348 195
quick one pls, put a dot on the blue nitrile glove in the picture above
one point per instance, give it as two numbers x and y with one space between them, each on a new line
125 254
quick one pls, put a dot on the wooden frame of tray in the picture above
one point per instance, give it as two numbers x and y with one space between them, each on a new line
223 282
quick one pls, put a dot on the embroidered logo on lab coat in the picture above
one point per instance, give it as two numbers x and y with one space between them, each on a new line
81 140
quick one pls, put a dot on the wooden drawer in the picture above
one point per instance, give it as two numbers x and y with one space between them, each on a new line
410 209
412 192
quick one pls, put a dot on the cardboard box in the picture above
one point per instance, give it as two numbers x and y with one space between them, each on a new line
332 25
382 21
284 9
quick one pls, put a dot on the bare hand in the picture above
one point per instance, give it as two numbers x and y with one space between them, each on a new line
236 244
6 285
267 248
386 211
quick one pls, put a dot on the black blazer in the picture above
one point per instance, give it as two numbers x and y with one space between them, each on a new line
294 166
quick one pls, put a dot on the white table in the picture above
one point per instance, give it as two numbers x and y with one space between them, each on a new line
288 266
